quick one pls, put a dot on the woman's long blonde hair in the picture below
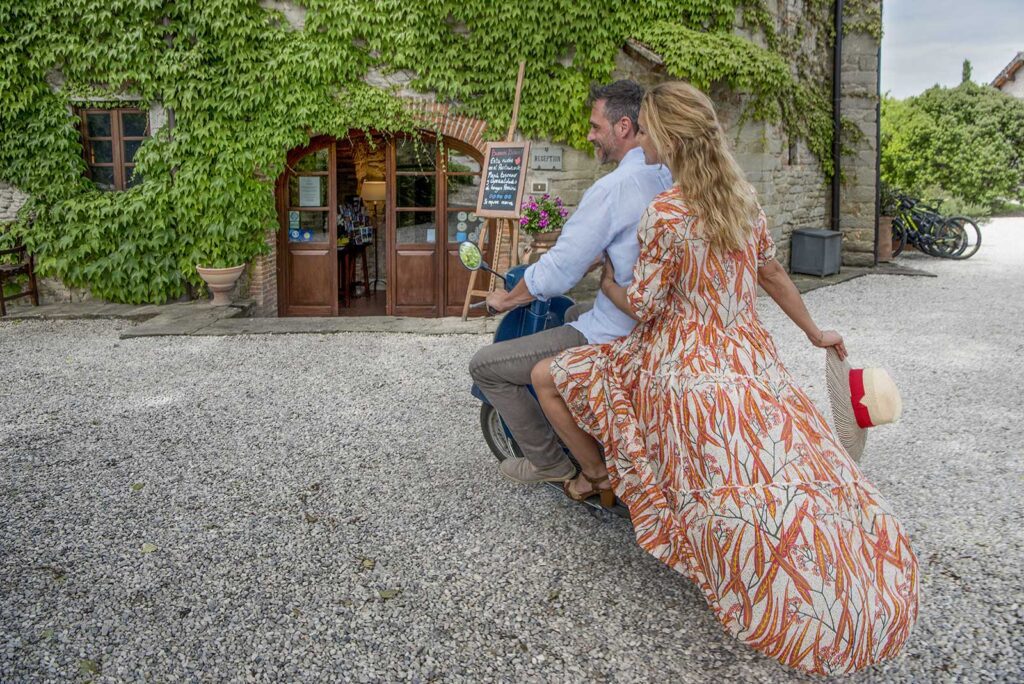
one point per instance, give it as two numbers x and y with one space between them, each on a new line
684 128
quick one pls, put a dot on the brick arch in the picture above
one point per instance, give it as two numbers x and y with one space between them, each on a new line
441 118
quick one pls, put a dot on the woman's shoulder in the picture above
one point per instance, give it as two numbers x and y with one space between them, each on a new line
670 203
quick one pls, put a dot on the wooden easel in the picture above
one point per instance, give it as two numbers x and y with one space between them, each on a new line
506 233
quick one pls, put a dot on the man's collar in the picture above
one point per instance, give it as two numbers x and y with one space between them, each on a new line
633 156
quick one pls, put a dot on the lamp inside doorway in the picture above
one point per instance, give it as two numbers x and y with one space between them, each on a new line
374 192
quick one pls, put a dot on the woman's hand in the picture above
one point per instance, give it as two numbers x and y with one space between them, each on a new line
829 338
607 274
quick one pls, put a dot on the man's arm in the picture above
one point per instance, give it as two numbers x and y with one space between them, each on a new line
501 301
584 237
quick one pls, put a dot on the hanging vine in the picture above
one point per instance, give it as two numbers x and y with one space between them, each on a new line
246 87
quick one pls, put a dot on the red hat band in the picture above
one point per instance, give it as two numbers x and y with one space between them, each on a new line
860 411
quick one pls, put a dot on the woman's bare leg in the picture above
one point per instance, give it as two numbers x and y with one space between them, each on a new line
582 445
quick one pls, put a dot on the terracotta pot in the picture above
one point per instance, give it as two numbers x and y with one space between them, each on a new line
220 281
885 238
541 243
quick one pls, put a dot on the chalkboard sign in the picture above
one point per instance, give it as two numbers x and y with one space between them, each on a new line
501 191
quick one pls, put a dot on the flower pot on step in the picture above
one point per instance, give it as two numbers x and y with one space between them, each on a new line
220 281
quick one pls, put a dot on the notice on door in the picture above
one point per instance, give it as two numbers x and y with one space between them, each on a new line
504 176
309 191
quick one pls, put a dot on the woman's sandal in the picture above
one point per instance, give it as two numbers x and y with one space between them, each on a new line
607 495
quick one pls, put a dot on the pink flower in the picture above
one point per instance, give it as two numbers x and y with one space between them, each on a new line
523 221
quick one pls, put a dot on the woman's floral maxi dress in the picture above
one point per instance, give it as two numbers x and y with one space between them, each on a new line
731 475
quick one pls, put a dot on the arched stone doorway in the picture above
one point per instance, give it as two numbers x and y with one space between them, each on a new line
340 254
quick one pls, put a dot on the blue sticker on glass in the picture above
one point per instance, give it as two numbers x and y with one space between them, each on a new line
460 237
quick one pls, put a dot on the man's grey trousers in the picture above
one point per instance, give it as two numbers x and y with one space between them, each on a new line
502 372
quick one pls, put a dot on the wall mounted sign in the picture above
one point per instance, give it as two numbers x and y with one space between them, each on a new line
546 158
501 192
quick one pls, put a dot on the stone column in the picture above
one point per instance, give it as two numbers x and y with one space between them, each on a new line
860 165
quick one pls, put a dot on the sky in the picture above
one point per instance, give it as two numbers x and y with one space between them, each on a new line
925 42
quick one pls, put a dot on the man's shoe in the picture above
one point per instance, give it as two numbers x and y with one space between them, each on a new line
522 471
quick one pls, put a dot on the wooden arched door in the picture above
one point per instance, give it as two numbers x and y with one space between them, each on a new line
307 242
432 190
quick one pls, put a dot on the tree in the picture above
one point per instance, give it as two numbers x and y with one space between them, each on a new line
965 73
966 142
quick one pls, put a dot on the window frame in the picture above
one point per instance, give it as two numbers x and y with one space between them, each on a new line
122 169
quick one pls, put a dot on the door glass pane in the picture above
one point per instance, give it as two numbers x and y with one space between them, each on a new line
460 162
463 190
416 227
464 225
130 148
133 123
314 161
101 152
103 177
415 155
98 124
133 177
307 226
307 191
417 191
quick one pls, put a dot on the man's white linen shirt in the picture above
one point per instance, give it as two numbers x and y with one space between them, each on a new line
605 221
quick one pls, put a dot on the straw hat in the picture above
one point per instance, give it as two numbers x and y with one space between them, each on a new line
861 398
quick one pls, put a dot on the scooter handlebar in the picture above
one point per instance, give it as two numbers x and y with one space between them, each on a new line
490 311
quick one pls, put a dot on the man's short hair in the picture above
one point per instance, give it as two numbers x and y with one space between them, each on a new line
621 98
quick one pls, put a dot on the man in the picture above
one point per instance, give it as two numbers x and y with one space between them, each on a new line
605 222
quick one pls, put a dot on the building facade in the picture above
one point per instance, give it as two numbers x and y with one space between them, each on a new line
339 249
1011 79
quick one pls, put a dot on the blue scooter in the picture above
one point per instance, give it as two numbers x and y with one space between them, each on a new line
519 322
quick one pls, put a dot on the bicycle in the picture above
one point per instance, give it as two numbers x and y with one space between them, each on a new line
922 226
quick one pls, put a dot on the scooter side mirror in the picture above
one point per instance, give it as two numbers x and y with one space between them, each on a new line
470 256
473 259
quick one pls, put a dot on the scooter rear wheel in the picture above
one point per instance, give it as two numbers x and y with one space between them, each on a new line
501 445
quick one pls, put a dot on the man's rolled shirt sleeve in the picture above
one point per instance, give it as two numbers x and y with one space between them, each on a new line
583 238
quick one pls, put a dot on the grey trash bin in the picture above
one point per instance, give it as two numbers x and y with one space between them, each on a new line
816 251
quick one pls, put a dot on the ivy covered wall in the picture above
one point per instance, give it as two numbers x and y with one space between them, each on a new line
245 87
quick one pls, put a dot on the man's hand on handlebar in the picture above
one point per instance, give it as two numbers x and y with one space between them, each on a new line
497 302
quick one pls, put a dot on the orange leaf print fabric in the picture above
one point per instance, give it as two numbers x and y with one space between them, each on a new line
731 475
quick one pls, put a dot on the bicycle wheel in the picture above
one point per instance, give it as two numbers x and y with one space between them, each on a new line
969 236
899 237
944 240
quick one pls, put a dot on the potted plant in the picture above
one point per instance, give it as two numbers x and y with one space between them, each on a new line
888 206
543 219
220 260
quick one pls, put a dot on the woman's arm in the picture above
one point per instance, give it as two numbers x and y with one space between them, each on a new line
614 291
777 283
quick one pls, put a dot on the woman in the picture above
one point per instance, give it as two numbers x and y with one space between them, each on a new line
731 475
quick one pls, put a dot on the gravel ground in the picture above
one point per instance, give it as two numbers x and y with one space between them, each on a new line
323 507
